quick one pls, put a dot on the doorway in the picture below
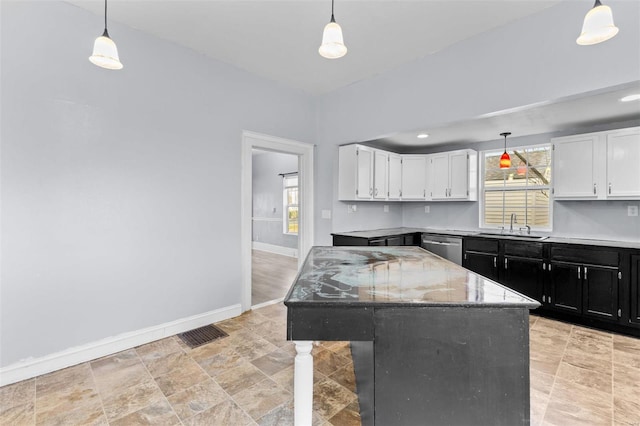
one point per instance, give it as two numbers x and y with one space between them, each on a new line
252 141
275 208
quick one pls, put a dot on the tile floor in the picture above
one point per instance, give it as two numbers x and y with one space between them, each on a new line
579 376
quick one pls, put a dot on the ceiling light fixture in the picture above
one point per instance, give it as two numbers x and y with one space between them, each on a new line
422 135
105 52
598 25
630 98
505 160
332 46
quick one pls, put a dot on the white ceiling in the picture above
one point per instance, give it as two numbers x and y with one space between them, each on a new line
279 40
574 113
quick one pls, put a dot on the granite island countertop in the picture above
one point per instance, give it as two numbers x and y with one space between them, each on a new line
394 276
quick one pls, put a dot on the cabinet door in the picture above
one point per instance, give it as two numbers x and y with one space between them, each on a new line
365 174
524 276
623 163
395 241
380 163
600 292
566 287
394 186
378 242
440 176
413 177
574 167
458 175
484 264
635 290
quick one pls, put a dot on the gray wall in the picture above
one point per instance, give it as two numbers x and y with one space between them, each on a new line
531 60
120 190
267 197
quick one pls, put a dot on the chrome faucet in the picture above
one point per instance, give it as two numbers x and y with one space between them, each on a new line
514 219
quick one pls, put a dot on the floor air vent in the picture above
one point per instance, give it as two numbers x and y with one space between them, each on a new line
201 336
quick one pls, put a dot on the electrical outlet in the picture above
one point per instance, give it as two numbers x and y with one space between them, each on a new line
427 209
386 208
632 210
351 208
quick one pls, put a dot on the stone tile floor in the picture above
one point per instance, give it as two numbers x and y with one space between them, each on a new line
579 376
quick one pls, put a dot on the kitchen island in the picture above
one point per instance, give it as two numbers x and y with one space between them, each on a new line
432 342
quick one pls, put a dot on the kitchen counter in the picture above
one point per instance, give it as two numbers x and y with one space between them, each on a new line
380 233
429 339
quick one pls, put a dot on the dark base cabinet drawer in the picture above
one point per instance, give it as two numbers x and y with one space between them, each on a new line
520 249
482 245
583 255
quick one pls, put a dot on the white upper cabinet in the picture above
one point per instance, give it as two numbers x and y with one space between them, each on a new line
574 168
623 163
380 170
414 177
394 186
454 176
355 173
366 173
597 166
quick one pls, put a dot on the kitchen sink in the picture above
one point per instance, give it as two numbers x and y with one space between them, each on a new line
513 236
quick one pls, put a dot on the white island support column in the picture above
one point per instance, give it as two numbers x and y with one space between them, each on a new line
303 383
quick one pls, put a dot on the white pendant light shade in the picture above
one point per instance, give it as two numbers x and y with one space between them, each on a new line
105 53
332 42
598 25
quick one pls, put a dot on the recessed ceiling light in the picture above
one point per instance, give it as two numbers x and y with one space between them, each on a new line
630 98
422 135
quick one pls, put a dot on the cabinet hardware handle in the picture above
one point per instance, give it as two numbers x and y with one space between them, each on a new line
619 313
543 297
495 261
424 193
549 267
549 300
544 266
619 275
401 192
578 272
585 272
465 256
506 263
609 187
595 191
375 193
370 191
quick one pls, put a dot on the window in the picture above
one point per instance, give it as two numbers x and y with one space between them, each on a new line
523 189
290 203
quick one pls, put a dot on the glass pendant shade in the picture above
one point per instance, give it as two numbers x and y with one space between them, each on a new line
598 25
332 43
105 53
505 161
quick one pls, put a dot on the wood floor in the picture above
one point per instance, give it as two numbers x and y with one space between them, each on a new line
271 276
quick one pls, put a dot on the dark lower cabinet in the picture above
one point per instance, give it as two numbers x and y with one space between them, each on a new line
565 292
600 292
634 307
524 276
484 264
410 239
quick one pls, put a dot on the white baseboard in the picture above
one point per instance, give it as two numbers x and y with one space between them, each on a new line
33 367
270 302
271 248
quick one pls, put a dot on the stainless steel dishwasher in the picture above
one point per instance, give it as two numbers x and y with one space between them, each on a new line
448 247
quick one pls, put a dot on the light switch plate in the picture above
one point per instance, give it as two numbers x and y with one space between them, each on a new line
326 214
386 208
427 209
632 210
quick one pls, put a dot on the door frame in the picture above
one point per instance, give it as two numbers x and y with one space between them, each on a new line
304 151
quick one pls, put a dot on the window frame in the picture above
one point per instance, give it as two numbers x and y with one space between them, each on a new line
481 186
286 205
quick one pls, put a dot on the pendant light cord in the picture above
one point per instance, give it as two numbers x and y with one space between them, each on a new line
106 33
332 18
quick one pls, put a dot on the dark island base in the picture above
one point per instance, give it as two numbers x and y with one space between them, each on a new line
445 365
